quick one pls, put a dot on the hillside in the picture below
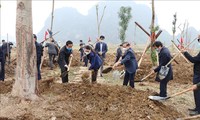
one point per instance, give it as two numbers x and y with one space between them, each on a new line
75 26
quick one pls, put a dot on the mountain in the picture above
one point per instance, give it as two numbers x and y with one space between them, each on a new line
75 26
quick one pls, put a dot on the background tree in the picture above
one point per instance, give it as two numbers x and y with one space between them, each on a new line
174 29
154 55
99 22
25 85
124 16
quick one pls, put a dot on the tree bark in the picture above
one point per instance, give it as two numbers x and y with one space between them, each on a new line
25 85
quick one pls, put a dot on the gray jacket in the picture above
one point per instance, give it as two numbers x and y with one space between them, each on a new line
51 48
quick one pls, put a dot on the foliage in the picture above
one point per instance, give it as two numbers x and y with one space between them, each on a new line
154 57
125 15
154 29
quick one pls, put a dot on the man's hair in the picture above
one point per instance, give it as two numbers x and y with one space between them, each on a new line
34 36
127 43
88 47
81 40
199 39
69 42
3 40
81 44
102 37
157 44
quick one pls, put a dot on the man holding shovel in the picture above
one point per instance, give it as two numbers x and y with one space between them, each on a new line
130 63
64 60
196 78
164 58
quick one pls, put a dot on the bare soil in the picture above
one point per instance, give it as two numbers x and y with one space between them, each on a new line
107 99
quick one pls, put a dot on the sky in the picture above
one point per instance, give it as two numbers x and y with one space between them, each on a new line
186 10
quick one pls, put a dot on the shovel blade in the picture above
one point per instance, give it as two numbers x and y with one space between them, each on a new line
157 98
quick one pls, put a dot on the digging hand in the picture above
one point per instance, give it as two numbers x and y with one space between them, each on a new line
66 66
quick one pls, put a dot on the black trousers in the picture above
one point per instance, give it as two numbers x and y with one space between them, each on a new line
196 79
163 87
94 75
39 72
101 68
64 78
129 77
2 70
51 60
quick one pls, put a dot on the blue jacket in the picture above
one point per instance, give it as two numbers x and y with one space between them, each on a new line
196 61
95 61
129 61
164 58
104 48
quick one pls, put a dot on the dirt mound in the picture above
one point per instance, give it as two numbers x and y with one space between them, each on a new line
109 102
6 86
89 101
182 72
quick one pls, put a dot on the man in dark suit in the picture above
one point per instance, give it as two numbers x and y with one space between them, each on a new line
39 54
196 78
63 59
7 46
2 65
130 63
101 48
164 58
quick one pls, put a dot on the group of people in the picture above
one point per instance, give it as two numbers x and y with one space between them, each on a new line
95 54
125 56
5 56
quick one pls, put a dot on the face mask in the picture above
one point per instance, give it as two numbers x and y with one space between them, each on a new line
157 50
87 53
69 49
124 49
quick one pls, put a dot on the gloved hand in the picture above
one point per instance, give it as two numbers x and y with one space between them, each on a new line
66 66
100 53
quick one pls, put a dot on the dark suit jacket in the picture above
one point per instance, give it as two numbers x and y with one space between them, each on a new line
129 61
164 58
198 85
63 58
5 47
196 61
95 61
39 52
104 48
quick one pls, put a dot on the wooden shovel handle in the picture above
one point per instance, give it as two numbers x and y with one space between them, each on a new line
147 76
184 91
70 61
180 52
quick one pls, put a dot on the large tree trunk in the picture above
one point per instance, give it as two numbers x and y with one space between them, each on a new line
26 74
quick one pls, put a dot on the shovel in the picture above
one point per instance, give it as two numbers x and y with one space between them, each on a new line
157 98
169 61
110 68
63 74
